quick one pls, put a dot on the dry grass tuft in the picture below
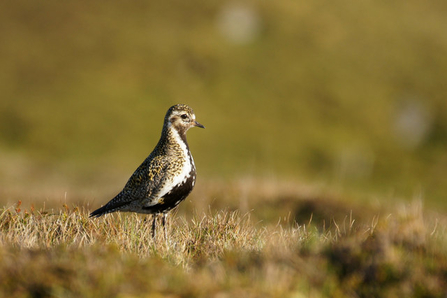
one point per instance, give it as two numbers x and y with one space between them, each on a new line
45 253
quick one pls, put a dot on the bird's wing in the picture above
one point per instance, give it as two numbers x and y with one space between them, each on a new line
146 181
141 186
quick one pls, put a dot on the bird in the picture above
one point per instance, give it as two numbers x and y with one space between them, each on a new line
166 177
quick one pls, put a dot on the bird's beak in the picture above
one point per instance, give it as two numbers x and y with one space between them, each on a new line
198 124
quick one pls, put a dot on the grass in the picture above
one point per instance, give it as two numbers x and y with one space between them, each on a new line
63 253
349 95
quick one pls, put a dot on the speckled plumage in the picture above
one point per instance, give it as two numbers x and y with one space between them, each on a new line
167 175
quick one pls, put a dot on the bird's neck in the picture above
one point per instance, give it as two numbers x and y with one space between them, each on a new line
171 137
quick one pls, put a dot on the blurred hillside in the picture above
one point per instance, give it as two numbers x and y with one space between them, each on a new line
350 94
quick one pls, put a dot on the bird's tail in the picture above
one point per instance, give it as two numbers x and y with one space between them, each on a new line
116 204
100 211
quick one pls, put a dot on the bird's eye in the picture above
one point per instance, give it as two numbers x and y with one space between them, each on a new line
184 116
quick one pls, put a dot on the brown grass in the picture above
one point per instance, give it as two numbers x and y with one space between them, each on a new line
46 253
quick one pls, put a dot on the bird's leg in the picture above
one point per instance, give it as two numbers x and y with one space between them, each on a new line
163 220
153 225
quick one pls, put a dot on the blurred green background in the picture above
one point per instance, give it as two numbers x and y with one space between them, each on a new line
350 95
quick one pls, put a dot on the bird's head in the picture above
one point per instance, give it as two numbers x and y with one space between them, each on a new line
181 117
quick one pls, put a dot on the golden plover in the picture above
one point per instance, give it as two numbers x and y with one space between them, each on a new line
166 177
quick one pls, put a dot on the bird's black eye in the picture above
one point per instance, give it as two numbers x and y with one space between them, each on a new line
184 116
